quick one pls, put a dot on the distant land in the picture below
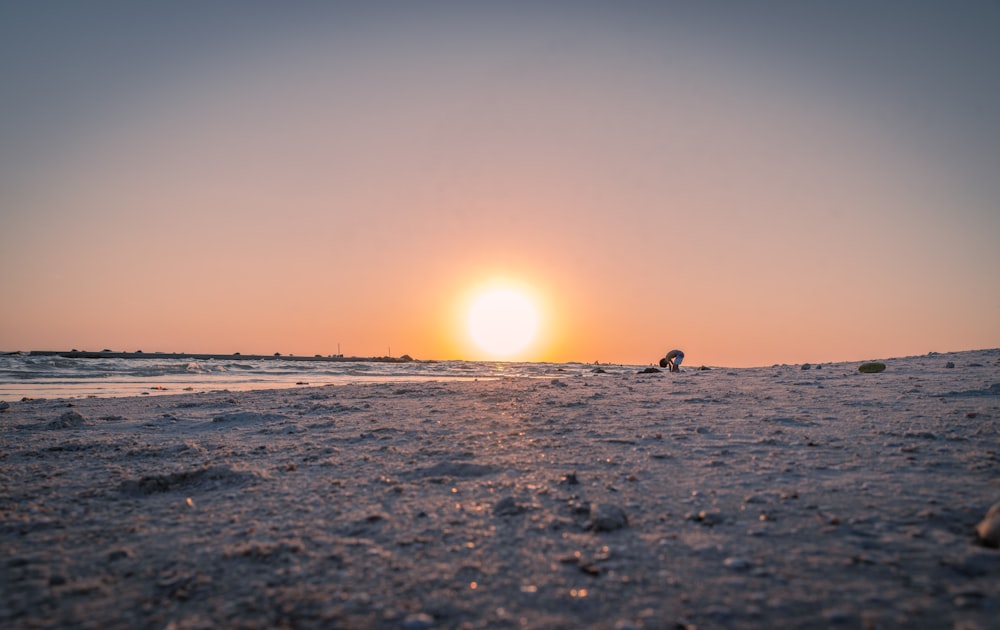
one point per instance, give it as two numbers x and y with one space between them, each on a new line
139 354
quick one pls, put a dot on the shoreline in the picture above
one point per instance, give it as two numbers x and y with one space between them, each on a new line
84 354
405 358
48 376
119 374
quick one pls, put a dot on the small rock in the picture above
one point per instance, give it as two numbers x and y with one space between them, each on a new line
68 420
570 479
949 365
707 518
507 506
607 518
650 370
806 366
989 529
737 564
871 368
4 406
418 621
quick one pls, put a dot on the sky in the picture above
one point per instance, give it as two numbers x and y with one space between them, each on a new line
753 183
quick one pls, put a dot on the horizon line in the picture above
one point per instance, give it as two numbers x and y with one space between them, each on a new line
404 358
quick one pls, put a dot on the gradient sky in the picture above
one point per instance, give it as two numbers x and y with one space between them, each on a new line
752 182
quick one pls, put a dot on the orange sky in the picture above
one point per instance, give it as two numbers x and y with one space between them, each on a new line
754 187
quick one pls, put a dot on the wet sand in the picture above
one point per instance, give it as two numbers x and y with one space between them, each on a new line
737 498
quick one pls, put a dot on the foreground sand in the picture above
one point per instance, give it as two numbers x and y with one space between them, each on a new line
772 497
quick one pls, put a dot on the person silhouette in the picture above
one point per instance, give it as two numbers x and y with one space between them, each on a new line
673 360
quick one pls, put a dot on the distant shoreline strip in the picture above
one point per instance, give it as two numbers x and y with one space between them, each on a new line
77 354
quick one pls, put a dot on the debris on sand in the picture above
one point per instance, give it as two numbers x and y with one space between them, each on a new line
873 367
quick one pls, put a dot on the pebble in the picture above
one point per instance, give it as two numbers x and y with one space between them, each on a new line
119 554
507 506
418 621
705 517
737 564
68 420
605 517
989 529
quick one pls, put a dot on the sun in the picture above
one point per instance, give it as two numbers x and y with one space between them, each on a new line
502 321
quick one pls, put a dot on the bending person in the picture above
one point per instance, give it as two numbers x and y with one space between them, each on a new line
673 360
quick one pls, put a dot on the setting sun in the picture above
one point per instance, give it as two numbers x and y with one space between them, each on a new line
502 321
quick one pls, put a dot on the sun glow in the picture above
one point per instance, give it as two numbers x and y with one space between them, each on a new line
502 321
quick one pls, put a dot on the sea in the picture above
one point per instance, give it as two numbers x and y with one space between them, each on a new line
27 375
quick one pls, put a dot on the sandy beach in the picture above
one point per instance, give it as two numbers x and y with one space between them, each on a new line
733 498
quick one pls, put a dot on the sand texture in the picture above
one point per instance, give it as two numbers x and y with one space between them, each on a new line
769 497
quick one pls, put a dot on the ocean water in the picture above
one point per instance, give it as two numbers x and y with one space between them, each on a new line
51 376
